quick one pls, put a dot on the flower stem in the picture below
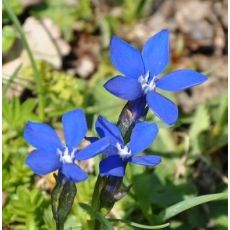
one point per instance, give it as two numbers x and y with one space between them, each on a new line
96 202
37 75
59 226
62 198
96 195
106 189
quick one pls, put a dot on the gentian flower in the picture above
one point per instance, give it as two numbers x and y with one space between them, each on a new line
142 75
119 154
50 154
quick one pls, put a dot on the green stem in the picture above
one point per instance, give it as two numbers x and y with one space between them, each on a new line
125 124
96 194
60 226
62 198
96 201
37 75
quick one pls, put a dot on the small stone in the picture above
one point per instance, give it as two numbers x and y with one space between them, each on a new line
44 38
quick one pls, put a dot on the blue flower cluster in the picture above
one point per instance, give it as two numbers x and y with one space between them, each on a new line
142 75
50 154
140 83
119 153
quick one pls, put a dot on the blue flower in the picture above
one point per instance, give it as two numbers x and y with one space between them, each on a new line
142 73
119 154
50 154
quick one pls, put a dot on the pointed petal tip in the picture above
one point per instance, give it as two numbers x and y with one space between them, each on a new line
165 30
156 52
41 162
205 78
181 79
164 108
75 127
99 119
126 58
148 132
114 37
93 149
107 129
41 135
147 160
105 85
28 125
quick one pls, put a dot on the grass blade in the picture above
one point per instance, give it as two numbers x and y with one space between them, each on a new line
97 216
142 226
189 203
37 74
11 80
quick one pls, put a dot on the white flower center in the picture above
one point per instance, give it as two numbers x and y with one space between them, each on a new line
147 85
123 152
65 156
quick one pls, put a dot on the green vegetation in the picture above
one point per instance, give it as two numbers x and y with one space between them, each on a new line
194 151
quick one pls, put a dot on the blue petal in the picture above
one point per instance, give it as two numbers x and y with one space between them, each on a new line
125 88
42 162
107 129
75 127
112 166
126 58
150 160
142 136
180 80
93 149
110 151
165 109
42 136
73 172
156 53
91 139
138 108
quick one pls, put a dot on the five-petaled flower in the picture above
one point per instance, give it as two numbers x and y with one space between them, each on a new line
119 154
142 73
50 154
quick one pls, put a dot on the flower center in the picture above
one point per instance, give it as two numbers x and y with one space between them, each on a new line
147 84
66 156
123 152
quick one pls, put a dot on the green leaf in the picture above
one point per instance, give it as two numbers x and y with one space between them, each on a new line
165 140
133 224
97 215
25 207
222 115
200 122
189 203
16 114
8 38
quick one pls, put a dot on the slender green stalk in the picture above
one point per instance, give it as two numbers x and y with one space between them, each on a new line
60 226
95 203
37 75
62 198
103 197
96 195
11 80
